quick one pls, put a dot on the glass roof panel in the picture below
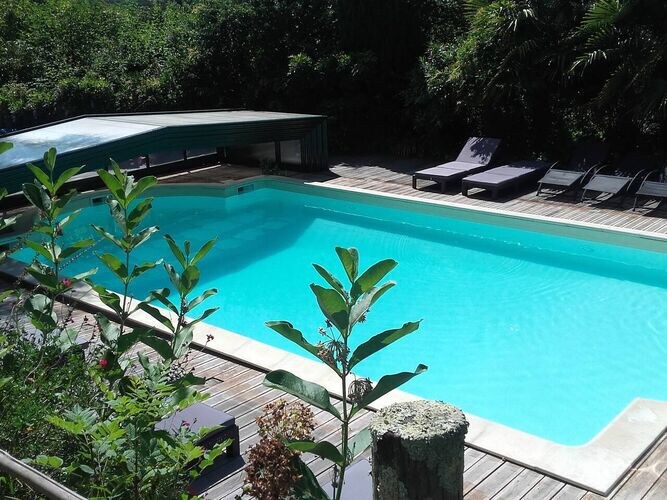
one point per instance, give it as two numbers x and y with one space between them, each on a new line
68 136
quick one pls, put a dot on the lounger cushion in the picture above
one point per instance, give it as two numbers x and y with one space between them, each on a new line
556 177
479 150
607 183
450 170
507 173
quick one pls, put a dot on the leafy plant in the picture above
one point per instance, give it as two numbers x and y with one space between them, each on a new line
272 469
120 454
343 309
626 44
118 338
129 208
184 280
46 240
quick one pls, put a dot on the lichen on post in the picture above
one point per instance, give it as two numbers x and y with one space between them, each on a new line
417 451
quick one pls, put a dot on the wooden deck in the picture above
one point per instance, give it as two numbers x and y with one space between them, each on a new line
394 176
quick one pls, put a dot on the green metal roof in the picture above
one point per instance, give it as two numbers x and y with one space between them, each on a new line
92 139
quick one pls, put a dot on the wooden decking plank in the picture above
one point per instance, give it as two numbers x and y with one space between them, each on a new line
645 474
494 482
519 486
471 457
659 489
569 492
545 489
480 471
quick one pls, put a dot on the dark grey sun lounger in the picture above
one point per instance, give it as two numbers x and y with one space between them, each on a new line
652 189
623 184
476 155
505 176
587 159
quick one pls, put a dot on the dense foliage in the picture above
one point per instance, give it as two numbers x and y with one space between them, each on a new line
406 76
91 414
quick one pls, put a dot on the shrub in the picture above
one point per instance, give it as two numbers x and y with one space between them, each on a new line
272 471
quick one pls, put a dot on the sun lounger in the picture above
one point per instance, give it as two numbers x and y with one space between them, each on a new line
652 187
200 415
505 176
623 184
476 155
587 159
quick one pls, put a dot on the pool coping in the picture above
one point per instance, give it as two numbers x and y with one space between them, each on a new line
597 465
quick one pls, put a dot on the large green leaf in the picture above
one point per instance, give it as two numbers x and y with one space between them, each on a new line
361 307
162 296
158 344
142 185
108 298
39 248
182 340
330 278
43 276
67 339
138 213
109 331
201 253
190 278
309 392
40 310
386 384
307 487
41 176
64 177
323 449
156 314
204 315
175 250
380 341
36 196
76 247
349 257
286 329
106 234
333 306
112 184
50 158
371 277
5 146
115 265
141 237
201 298
140 269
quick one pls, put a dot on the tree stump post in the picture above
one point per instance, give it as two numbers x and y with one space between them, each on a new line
417 451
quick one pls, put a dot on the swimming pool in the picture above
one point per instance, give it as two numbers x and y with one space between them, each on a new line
548 334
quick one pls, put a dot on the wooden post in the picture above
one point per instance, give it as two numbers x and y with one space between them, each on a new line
417 451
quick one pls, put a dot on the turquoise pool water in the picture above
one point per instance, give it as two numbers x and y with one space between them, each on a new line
550 335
